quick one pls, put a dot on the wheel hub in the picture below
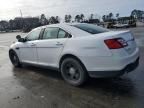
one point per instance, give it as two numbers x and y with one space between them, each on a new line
72 71
14 58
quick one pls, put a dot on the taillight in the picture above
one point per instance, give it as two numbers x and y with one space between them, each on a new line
115 43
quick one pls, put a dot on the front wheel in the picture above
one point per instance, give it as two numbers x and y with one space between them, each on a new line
73 72
14 59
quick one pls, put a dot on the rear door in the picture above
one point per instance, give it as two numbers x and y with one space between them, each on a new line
51 46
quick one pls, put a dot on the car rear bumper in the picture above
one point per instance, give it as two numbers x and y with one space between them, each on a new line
108 63
130 67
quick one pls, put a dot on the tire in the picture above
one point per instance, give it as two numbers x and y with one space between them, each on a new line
73 72
14 59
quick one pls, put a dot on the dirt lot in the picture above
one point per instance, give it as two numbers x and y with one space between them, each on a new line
31 87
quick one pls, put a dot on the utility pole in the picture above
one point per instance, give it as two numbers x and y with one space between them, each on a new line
22 18
21 13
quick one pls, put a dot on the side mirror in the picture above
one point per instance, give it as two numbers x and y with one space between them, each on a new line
18 37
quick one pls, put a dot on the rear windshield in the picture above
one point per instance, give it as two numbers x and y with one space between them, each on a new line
90 28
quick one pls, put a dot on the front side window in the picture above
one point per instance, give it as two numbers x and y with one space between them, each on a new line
50 33
34 35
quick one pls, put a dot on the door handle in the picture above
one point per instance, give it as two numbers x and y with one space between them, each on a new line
17 48
59 44
33 44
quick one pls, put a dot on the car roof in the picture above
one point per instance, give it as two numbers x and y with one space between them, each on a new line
68 28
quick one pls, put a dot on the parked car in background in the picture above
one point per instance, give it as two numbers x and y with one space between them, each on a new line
125 22
121 26
77 50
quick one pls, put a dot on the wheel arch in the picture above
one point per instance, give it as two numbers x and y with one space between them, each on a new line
11 49
71 56
18 64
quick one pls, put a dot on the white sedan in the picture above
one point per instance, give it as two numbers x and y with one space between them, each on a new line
77 50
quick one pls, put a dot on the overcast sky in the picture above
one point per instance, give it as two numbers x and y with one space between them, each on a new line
11 8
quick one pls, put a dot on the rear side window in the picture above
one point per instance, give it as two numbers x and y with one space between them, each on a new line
63 34
90 28
34 35
50 33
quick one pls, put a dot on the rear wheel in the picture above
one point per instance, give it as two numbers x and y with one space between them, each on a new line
73 72
14 59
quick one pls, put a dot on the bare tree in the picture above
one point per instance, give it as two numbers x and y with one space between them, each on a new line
110 15
68 18
91 16
77 18
117 15
43 19
104 17
57 19
82 17
54 20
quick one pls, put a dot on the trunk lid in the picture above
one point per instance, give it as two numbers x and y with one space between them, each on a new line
128 37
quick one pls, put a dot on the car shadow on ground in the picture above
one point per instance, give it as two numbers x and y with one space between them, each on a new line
121 86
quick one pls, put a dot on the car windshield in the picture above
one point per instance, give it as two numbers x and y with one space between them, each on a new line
90 28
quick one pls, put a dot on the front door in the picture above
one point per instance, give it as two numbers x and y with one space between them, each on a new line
28 50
